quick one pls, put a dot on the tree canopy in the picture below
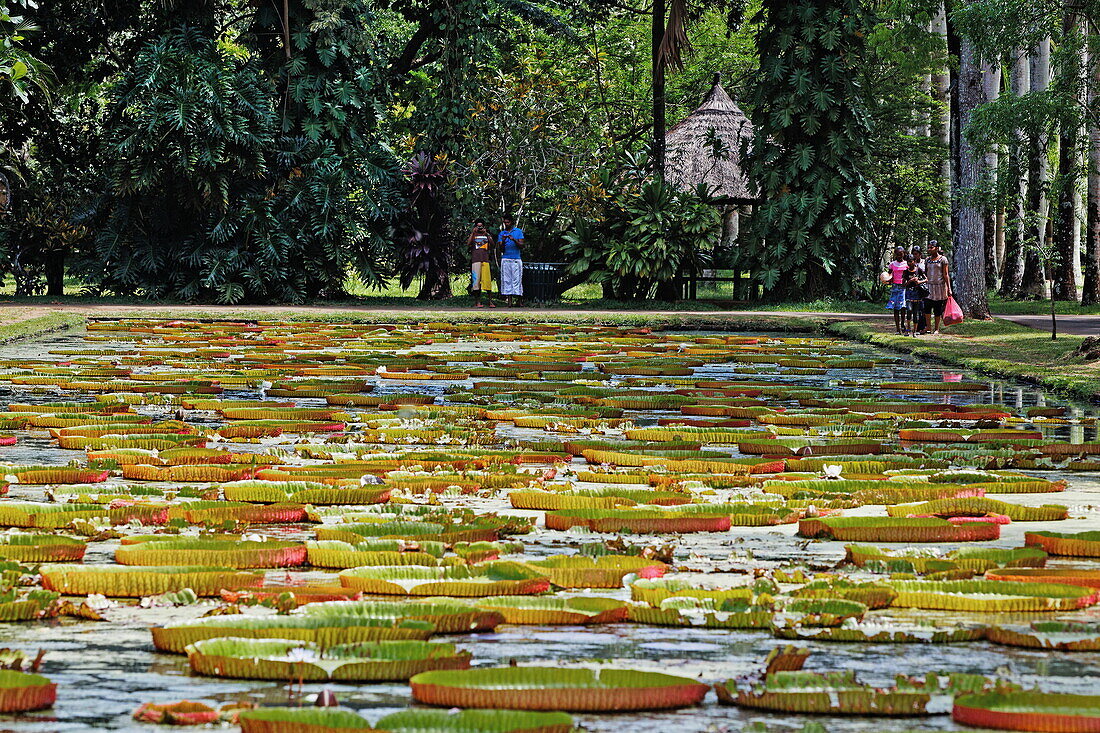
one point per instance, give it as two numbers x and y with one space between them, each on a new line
232 151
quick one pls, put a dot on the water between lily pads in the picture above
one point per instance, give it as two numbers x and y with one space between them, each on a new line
105 670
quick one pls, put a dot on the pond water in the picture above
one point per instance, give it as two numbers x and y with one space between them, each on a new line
105 670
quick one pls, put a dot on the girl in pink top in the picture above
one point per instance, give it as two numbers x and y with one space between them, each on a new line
897 303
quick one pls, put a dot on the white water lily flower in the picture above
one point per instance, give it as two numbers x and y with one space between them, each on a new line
301 654
99 602
833 471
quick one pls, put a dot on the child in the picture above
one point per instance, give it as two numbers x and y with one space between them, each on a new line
921 308
915 291
896 303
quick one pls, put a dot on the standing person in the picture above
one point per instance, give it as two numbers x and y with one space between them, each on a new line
510 240
915 291
921 310
896 303
938 271
481 275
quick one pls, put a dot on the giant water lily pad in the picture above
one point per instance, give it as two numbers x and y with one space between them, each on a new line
227 551
285 659
1087 577
553 688
491 579
882 631
977 559
822 611
979 507
655 591
447 615
324 630
35 548
336 554
713 613
476 721
896 529
829 693
608 571
336 720
1030 711
548 611
303 720
138 582
303 492
638 521
20 691
1063 636
991 595
872 595
607 498
1079 544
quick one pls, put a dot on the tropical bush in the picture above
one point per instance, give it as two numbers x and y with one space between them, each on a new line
644 234
239 176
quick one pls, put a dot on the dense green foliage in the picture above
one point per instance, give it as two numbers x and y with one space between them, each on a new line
238 177
18 68
811 149
643 234
214 150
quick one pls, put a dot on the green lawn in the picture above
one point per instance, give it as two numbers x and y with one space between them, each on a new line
994 347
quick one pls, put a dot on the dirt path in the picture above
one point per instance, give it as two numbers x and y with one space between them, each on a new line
15 313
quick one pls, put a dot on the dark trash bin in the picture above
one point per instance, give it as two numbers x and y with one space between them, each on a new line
540 280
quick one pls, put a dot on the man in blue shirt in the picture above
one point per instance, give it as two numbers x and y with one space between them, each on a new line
510 240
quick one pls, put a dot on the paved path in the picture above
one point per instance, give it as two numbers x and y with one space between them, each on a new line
1069 325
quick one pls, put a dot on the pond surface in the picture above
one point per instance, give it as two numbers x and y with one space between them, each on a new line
105 670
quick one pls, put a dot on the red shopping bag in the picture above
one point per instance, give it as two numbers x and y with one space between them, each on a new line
952 313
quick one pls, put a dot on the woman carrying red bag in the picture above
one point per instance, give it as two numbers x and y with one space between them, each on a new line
938 271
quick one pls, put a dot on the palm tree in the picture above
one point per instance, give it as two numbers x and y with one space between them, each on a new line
669 44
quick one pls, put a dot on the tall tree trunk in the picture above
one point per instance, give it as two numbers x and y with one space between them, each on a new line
941 124
1090 290
55 274
924 129
1038 182
1012 274
968 268
1064 274
991 78
658 68
1079 213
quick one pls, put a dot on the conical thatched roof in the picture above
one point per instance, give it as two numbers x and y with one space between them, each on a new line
689 148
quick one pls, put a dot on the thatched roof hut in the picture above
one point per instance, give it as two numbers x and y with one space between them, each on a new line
691 143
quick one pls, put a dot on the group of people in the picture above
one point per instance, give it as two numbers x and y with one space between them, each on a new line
509 241
919 289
